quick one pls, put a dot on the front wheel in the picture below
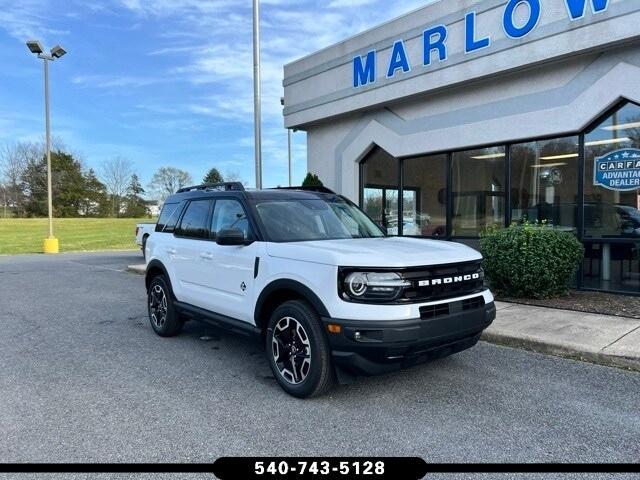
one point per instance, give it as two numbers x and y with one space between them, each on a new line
164 319
298 350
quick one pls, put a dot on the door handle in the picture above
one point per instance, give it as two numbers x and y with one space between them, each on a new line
206 256
171 251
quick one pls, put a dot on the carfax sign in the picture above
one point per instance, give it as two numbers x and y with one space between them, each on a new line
619 170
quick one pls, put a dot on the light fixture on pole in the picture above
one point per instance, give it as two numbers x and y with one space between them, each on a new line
257 114
50 243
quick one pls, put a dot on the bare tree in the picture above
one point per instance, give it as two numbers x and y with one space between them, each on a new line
168 180
13 162
115 174
233 176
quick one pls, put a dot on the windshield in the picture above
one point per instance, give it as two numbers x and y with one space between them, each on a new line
317 219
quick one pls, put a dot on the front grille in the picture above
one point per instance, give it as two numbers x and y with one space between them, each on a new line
472 303
441 282
430 312
433 311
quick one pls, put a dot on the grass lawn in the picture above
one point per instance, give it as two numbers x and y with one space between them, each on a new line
25 235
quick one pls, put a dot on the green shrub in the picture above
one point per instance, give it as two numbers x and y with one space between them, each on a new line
530 260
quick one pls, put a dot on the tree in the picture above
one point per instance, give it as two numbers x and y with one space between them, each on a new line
115 174
136 205
232 176
13 161
96 202
311 180
213 176
168 180
67 182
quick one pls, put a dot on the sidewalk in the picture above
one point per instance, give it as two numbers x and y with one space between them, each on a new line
602 339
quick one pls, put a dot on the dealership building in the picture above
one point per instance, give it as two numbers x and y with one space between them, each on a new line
469 114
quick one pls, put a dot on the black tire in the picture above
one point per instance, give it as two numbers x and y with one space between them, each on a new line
164 319
307 361
144 247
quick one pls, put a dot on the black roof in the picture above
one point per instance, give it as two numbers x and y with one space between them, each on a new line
289 193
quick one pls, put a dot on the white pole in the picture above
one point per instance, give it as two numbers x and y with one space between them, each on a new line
256 92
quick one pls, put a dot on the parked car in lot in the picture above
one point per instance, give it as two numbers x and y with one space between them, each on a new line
331 294
143 230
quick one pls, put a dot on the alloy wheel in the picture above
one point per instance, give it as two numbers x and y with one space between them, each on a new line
291 350
158 306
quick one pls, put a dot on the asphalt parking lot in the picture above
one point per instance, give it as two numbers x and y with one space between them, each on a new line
84 379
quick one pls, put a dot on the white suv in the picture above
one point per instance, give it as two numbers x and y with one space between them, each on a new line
306 269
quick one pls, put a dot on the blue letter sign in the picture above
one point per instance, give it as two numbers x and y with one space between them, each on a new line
577 8
398 59
510 27
363 74
431 43
618 170
471 43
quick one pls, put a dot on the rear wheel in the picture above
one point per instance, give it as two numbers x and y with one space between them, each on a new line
298 350
164 319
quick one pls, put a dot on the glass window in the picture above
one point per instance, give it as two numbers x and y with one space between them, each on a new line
319 219
478 190
612 176
612 266
544 182
194 220
425 196
380 189
228 214
168 217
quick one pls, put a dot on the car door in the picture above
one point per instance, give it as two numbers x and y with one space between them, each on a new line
228 270
191 237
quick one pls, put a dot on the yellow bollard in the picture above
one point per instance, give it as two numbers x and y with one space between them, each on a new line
51 245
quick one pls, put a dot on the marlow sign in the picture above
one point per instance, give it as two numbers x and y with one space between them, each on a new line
619 170
435 37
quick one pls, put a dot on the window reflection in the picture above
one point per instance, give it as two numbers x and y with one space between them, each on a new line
425 196
607 212
544 179
478 190
380 193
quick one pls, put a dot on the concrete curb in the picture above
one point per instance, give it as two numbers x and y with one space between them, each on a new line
564 351
139 269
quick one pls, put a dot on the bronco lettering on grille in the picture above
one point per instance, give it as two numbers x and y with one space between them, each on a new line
449 280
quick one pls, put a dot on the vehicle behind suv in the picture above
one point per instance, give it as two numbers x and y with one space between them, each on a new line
331 295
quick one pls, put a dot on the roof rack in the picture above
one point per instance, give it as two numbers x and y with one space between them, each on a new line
224 186
319 189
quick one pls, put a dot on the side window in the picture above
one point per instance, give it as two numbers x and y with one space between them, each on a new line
229 214
168 217
194 220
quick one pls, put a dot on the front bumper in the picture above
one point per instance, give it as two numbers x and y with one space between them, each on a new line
374 347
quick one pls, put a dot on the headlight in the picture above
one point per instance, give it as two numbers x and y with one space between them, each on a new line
373 286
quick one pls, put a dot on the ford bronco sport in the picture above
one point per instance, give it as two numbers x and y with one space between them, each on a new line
330 293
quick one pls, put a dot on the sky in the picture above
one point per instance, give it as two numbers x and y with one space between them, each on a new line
168 82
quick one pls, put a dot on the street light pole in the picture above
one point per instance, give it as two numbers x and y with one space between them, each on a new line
256 93
289 145
48 147
50 243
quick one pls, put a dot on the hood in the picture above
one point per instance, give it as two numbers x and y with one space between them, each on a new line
375 252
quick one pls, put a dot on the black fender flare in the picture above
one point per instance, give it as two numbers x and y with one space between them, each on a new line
155 265
293 286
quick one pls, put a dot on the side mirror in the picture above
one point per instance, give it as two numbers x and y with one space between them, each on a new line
231 237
